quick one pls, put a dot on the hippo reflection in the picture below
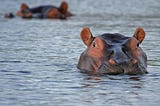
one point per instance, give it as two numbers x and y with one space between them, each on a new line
113 53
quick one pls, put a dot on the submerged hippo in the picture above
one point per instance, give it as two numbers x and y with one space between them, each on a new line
44 11
113 53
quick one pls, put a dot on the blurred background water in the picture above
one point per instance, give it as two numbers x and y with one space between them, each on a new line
38 58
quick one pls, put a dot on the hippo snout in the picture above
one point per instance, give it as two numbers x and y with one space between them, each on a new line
131 61
131 67
119 55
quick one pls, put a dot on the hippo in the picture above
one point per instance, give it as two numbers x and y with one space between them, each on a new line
43 11
113 53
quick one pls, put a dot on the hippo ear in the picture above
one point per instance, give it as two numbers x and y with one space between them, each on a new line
24 6
86 36
63 7
139 34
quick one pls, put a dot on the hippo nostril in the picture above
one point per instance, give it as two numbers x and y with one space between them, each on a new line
125 51
111 61
134 61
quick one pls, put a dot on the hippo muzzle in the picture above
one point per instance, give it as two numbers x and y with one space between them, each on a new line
113 53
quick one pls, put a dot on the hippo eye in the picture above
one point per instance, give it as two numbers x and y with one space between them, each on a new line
137 44
94 44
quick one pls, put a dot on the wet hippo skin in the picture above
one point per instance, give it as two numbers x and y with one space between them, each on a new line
113 53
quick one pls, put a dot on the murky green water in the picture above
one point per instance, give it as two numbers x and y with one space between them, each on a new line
38 57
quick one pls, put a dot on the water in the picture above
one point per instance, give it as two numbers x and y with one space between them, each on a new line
38 57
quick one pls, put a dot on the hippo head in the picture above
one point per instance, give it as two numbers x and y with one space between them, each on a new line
24 11
113 53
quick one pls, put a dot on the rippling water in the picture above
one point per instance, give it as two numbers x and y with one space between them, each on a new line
38 57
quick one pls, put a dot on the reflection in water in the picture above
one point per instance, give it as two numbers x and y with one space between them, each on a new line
135 78
112 89
86 85
93 78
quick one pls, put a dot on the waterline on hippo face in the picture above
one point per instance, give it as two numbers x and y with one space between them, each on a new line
125 68
113 53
